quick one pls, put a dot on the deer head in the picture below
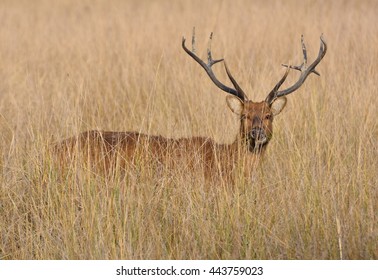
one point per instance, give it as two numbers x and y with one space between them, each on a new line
256 118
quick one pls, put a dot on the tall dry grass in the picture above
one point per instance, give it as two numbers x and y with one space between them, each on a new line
68 66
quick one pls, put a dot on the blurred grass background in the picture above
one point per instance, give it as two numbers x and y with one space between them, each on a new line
69 66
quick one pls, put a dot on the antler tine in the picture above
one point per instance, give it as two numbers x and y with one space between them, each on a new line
210 62
303 66
236 85
304 51
299 69
194 40
305 71
304 63
273 94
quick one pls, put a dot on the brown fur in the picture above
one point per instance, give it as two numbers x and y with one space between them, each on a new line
111 149
106 150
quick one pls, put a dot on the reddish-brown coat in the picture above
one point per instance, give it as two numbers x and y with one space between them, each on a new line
106 150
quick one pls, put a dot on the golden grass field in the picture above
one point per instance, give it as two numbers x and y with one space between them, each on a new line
69 66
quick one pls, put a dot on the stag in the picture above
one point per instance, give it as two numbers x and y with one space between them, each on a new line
107 149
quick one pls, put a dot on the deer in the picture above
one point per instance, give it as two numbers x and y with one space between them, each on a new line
107 149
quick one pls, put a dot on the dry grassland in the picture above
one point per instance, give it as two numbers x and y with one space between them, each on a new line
68 66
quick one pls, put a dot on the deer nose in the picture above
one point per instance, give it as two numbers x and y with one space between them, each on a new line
258 134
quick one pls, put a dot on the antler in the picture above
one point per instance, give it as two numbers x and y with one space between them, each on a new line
305 72
237 91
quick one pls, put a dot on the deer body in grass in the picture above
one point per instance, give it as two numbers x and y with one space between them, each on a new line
107 149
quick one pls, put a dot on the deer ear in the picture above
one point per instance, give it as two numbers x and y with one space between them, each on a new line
235 104
278 105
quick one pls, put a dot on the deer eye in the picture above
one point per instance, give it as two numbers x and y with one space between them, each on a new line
268 116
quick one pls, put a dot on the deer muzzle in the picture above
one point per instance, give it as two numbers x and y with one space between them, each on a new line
258 135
